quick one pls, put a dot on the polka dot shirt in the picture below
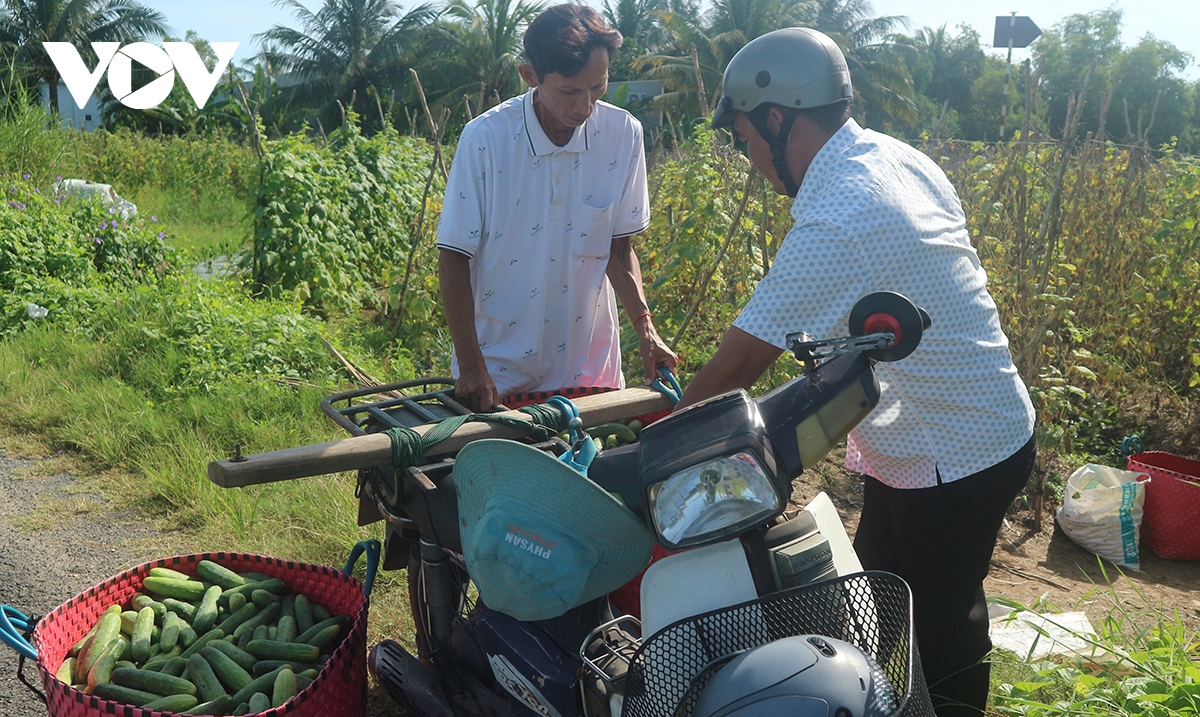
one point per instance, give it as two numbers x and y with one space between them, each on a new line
874 214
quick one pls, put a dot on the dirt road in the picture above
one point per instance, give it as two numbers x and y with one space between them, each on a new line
56 540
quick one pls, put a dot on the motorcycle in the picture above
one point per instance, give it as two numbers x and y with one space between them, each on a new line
754 611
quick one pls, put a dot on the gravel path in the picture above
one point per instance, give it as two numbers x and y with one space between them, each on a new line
42 566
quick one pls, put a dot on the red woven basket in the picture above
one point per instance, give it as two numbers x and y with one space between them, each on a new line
339 689
1171 518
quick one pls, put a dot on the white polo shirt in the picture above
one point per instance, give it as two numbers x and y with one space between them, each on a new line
537 222
874 214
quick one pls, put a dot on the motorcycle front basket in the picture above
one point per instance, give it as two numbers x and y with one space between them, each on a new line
870 610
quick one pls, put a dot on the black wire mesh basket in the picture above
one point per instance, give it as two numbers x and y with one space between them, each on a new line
870 610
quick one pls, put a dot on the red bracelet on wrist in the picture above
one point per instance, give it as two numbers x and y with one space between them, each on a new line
639 317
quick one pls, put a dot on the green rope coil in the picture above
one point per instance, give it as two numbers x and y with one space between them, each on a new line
408 446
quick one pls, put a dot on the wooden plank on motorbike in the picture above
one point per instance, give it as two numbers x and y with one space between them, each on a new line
376 449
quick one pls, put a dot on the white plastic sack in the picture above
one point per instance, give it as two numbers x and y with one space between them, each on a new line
108 196
1102 511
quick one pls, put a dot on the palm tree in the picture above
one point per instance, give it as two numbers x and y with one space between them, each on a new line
345 52
731 24
881 81
483 46
26 24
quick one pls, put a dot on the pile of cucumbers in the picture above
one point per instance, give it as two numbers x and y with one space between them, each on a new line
219 643
611 435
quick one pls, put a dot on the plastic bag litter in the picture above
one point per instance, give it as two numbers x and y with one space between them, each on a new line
1102 512
108 196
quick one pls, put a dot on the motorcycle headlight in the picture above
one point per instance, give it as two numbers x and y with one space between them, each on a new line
711 500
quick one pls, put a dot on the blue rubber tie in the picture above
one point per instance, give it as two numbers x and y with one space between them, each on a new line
372 549
1131 445
672 391
13 625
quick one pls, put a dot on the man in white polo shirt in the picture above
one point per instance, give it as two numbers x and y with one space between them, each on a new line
951 442
544 194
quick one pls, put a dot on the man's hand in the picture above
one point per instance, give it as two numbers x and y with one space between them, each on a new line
475 390
653 350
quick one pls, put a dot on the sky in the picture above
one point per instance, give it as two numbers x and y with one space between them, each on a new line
1176 21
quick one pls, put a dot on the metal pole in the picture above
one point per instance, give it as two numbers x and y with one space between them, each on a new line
1007 78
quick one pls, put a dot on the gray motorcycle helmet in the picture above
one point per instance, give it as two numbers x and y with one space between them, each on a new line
795 68
803 676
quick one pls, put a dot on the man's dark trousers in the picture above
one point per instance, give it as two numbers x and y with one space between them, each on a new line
940 540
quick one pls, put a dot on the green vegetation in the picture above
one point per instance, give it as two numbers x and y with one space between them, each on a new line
1144 664
322 201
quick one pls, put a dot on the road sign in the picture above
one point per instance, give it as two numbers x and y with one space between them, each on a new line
1017 29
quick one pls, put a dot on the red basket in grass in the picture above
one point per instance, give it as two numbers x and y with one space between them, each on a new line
339 689
1171 517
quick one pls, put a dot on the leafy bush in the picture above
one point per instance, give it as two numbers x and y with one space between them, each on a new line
187 335
57 254
332 223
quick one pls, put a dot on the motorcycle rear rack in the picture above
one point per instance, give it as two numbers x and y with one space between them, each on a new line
406 403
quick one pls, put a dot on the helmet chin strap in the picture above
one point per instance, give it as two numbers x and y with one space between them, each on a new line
778 145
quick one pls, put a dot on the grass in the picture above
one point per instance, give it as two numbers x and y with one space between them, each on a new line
1150 666
73 391
202 227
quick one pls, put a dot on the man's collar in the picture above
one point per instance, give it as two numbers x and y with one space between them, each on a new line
846 135
539 143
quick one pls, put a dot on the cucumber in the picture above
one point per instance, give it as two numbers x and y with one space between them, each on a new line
219 575
213 634
83 641
201 674
125 695
262 667
288 606
636 426
274 585
275 650
262 632
231 623
229 672
175 667
285 629
123 663
206 613
319 612
273 633
141 634
65 669
244 659
107 630
186 636
172 703
265 616
259 702
223 705
261 683
140 601
244 640
326 639
155 682
304 618
284 688
237 600
312 631
256 577
184 610
101 672
169 637
303 681
169 573
189 590
128 618
242 709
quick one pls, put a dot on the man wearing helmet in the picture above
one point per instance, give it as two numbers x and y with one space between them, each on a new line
951 442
